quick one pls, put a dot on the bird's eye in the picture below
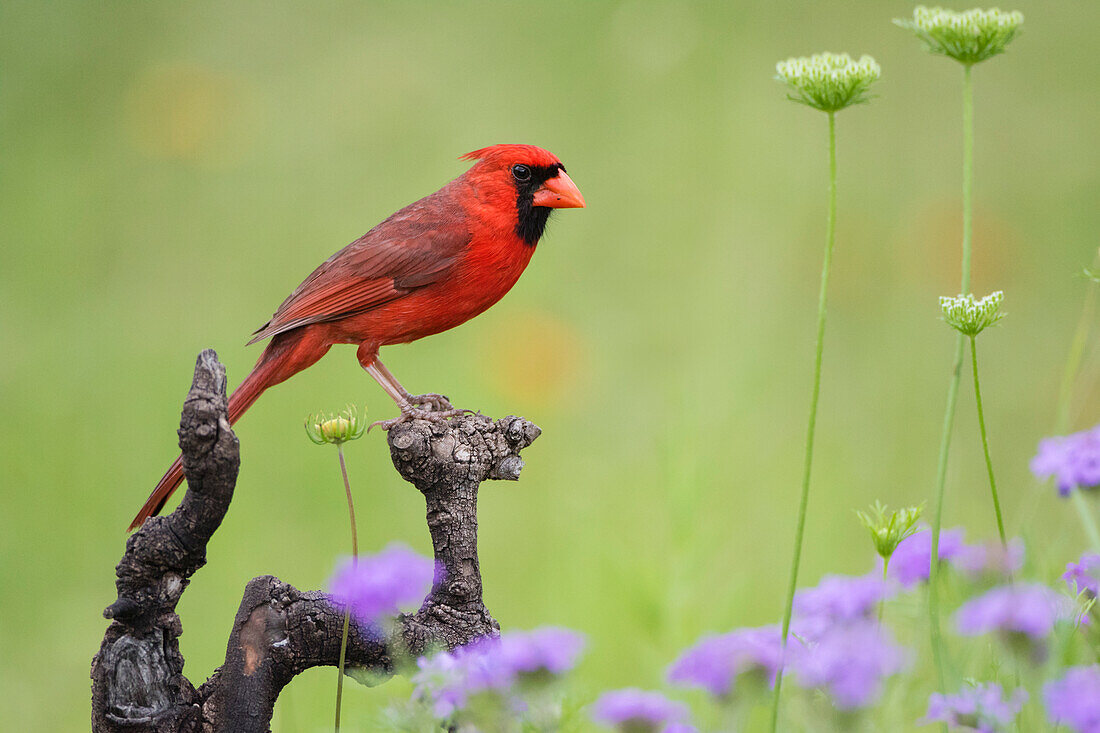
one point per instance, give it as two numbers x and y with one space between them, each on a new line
521 172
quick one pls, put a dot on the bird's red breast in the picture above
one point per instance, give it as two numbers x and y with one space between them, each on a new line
439 261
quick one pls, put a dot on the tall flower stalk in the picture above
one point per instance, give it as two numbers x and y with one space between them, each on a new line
829 83
337 430
969 37
970 317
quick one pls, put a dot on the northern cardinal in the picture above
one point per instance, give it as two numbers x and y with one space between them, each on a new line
434 264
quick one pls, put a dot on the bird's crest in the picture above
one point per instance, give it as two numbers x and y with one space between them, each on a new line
529 154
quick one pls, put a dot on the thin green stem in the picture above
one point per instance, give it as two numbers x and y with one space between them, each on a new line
830 240
985 442
937 514
953 386
347 610
1086 518
1076 352
882 601
968 177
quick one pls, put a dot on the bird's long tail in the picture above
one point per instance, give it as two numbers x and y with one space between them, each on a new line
287 354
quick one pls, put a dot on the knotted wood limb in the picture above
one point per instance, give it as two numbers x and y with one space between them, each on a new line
279 631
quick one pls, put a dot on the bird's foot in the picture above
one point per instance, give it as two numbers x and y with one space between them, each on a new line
435 402
415 413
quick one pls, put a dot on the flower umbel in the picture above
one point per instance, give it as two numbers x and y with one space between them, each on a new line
968 37
889 529
336 429
970 317
828 81
980 707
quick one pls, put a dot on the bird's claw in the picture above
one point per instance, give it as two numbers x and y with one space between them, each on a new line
416 413
435 402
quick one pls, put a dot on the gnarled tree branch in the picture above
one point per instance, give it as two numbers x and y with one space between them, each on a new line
137 675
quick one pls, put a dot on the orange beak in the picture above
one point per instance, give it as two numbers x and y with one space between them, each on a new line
559 192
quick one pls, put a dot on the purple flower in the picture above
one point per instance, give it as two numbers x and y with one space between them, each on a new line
981 708
841 598
715 662
489 663
850 663
1024 608
638 710
1083 576
991 557
377 584
1074 460
910 563
1074 700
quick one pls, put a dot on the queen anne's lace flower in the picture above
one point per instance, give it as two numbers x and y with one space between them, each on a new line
969 36
980 707
828 81
970 317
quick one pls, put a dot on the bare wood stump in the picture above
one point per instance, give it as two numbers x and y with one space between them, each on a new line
137 675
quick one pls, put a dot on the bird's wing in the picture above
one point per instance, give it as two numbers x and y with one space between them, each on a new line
417 246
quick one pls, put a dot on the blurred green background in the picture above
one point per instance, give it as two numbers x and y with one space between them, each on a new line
171 171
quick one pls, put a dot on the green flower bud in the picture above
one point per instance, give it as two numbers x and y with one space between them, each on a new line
889 529
968 37
828 81
970 317
336 429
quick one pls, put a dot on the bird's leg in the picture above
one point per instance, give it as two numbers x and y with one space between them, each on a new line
410 405
436 402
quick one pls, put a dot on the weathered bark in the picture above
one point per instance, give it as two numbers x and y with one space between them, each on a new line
137 675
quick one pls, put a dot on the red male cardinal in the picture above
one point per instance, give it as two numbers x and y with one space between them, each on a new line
434 264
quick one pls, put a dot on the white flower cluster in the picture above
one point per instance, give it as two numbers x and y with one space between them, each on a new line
828 81
971 317
968 37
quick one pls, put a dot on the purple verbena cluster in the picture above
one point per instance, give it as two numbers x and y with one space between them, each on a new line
1023 608
1083 576
448 679
1073 460
1074 700
716 661
982 708
850 662
375 586
640 711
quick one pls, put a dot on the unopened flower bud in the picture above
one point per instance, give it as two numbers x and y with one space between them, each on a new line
888 529
335 429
